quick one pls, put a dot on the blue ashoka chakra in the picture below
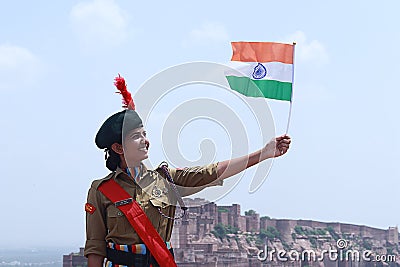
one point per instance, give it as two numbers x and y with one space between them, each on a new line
259 71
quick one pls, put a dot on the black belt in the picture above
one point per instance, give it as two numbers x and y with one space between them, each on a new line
130 259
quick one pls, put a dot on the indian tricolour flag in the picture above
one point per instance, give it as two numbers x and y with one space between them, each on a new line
262 69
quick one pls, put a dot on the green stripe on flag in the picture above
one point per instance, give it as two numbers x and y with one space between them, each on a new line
261 88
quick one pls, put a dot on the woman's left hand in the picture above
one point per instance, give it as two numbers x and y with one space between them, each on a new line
277 147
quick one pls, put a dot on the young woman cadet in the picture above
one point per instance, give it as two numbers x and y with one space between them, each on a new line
130 212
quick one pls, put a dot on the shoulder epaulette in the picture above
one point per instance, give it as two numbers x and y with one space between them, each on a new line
98 182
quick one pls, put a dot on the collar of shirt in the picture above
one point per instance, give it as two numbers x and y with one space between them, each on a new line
120 171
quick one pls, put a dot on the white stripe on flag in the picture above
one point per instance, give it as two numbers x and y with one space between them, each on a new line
275 70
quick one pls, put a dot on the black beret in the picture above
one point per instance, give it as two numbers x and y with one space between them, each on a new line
111 130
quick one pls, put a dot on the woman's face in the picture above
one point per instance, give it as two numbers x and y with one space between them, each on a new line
136 146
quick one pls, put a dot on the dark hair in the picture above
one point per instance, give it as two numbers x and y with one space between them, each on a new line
112 160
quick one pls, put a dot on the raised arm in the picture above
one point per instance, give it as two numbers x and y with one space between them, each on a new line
278 146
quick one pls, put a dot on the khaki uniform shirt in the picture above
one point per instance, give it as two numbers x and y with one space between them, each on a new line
106 223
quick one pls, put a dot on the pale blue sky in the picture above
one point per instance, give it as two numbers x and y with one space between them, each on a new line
58 60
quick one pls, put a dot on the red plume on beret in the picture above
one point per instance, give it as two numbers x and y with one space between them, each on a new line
127 100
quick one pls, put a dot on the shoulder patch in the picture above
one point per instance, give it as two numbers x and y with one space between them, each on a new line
90 208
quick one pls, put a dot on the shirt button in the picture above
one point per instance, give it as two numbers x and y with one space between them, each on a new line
119 213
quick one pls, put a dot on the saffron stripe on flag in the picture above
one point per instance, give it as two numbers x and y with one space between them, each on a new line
261 88
262 52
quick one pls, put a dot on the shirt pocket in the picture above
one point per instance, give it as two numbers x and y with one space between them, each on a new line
116 220
162 203
159 209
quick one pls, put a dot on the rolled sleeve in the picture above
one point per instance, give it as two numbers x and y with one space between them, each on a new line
199 176
95 225
95 247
